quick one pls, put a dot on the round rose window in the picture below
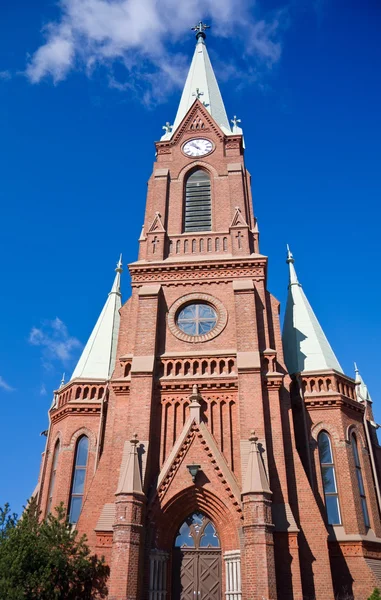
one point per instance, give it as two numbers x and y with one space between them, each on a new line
197 319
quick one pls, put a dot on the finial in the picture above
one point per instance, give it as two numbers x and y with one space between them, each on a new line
290 257
253 438
167 127
195 390
119 265
134 441
198 94
356 368
200 30
235 121
62 380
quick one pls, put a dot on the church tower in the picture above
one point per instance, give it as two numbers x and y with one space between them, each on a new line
177 445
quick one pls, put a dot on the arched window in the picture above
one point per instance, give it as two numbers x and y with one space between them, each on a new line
197 531
198 206
52 477
360 481
329 479
78 479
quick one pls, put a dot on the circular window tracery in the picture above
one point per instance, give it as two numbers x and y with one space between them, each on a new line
197 318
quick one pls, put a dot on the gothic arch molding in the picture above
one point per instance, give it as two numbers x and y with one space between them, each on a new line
57 437
190 500
323 426
198 164
83 431
355 429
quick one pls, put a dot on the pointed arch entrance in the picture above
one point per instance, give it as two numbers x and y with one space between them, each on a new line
196 560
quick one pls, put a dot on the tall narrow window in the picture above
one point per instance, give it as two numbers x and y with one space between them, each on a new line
360 482
198 206
329 479
52 477
78 481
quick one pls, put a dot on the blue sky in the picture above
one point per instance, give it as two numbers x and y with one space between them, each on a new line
85 87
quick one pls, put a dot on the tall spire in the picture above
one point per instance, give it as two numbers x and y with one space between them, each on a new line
305 345
201 84
98 357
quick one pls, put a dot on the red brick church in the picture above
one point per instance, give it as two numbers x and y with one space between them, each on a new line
205 455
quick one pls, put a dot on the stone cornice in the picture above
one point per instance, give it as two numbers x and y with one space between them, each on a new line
76 408
324 400
176 272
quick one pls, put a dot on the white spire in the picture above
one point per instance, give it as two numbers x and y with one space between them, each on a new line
305 345
98 357
362 392
201 83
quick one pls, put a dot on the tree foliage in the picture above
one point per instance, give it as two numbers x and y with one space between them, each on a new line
46 560
375 595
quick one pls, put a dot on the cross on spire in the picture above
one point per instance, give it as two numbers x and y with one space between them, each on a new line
235 121
200 30
167 127
198 94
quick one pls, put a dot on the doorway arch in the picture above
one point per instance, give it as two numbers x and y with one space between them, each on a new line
196 560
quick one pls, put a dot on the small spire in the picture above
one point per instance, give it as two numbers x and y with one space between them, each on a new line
256 478
98 357
130 481
290 261
200 31
305 344
362 392
195 406
62 380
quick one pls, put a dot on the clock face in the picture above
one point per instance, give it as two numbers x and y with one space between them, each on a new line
197 147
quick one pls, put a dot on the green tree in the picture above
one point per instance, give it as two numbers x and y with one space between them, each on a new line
375 595
46 560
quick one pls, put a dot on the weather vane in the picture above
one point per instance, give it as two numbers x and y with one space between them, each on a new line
200 30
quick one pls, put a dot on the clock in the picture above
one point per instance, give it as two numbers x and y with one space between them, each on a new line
198 147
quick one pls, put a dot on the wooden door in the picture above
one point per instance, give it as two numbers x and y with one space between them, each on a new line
196 567
196 574
209 575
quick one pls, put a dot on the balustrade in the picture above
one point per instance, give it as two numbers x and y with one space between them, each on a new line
210 243
205 367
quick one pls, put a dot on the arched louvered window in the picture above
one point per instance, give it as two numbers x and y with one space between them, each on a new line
78 479
198 205
329 479
360 481
52 477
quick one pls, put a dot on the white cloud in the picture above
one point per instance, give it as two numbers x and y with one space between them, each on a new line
5 75
55 341
137 34
5 386
43 390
